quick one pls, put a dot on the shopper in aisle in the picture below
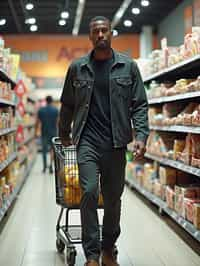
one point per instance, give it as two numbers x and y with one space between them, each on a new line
102 94
48 120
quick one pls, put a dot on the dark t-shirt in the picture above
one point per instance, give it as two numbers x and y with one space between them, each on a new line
48 116
98 129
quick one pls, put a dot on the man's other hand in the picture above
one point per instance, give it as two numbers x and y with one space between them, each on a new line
139 149
66 143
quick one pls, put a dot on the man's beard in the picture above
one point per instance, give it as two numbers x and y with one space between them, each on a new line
102 45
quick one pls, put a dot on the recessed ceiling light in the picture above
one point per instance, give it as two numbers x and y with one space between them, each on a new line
65 14
62 22
135 11
128 23
33 28
115 33
2 21
29 6
30 21
145 3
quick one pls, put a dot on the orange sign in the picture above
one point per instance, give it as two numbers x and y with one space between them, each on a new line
50 56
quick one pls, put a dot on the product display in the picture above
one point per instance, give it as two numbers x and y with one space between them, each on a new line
168 56
15 160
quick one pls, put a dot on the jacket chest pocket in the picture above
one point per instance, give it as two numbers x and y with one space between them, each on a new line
81 88
124 87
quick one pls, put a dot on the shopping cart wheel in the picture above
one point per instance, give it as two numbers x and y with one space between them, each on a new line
60 245
71 256
115 252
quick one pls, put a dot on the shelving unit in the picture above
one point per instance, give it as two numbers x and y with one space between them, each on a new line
10 159
4 77
13 196
183 129
30 125
163 207
186 69
178 97
178 70
175 164
6 131
6 102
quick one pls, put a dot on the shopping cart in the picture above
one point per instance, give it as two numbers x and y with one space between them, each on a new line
68 196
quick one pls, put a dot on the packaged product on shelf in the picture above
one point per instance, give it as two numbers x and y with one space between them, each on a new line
196 215
189 209
195 151
170 197
167 176
186 154
181 192
178 148
150 174
157 188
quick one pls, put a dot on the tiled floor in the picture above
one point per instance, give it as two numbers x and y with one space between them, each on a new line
28 235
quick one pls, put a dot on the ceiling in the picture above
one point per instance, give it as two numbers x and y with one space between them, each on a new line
47 14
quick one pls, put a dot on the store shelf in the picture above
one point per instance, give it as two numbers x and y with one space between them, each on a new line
184 129
4 77
26 141
175 164
182 69
6 131
10 159
30 125
11 198
165 99
6 102
22 159
190 228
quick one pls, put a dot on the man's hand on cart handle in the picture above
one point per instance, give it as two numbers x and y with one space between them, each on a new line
66 142
138 150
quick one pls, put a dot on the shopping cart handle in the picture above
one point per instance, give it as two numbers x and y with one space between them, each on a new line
56 140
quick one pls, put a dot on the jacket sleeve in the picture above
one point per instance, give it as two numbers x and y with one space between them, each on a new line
67 107
139 106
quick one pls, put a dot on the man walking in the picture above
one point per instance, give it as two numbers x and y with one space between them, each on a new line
103 94
48 119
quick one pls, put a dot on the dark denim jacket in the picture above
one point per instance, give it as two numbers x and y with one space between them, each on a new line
128 100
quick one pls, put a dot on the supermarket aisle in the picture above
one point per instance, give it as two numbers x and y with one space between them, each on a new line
28 237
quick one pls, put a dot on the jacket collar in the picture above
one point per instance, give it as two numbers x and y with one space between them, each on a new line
118 59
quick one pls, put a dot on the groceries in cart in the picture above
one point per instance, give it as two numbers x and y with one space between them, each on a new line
72 190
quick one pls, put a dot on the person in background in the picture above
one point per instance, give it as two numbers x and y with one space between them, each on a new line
103 96
47 119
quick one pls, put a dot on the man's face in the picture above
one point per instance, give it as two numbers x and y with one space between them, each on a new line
100 34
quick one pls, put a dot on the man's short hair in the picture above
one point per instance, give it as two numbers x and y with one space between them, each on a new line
97 18
49 99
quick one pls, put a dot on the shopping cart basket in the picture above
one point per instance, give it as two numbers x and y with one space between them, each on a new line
68 196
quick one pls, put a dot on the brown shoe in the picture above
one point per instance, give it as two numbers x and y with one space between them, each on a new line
109 258
91 263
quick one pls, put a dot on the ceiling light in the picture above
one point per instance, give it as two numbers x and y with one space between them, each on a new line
65 14
2 21
62 22
29 6
135 11
33 28
115 33
128 23
30 21
145 3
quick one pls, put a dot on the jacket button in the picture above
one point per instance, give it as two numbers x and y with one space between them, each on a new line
83 122
87 105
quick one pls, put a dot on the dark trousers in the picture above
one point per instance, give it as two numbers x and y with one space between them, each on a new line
46 146
110 167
